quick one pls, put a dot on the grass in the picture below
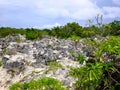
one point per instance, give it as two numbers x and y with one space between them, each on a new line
45 83
53 67
80 58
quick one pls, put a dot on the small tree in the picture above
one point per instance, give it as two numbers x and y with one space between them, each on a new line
99 20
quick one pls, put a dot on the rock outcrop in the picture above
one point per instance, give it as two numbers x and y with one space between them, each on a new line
24 60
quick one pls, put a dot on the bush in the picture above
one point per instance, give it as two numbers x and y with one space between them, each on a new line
89 76
98 76
111 45
6 31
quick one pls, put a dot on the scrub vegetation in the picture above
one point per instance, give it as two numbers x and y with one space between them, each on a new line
102 70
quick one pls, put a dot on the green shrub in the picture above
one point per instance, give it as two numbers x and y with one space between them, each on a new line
96 76
6 31
111 45
16 86
45 83
31 34
88 76
80 58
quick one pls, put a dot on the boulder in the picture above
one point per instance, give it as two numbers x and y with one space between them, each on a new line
13 64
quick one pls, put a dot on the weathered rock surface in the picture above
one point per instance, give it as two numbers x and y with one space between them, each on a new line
26 60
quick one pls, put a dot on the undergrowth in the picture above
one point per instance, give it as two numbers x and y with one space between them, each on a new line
45 83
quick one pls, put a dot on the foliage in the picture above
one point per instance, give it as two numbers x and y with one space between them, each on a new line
80 58
101 74
16 86
93 76
66 31
89 76
6 31
115 28
75 38
97 75
112 28
0 63
45 83
87 33
53 66
111 45
91 42
31 34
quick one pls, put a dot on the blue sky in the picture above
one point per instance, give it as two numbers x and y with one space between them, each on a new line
49 13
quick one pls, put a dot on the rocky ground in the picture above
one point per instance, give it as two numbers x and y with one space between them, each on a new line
24 60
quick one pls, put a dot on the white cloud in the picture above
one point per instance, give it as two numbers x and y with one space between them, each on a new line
78 9
51 25
52 10
116 2
111 12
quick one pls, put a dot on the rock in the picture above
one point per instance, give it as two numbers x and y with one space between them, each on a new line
23 49
66 82
1 52
4 60
88 51
3 43
15 67
108 57
15 38
30 56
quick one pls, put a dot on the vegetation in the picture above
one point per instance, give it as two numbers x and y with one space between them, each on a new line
53 66
80 58
0 63
67 31
112 45
45 83
102 70
95 76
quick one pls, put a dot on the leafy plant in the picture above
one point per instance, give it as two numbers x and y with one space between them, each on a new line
111 45
16 86
89 76
91 42
80 58
100 76
45 83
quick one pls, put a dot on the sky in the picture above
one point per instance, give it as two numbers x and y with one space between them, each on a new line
49 13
